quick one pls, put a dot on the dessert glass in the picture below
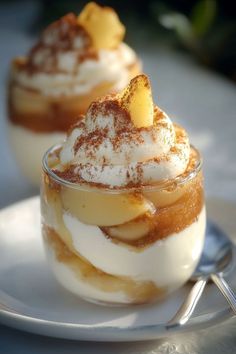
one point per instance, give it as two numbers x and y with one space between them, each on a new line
76 59
123 246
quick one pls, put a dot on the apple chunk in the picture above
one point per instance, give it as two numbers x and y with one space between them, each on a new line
104 209
103 26
137 100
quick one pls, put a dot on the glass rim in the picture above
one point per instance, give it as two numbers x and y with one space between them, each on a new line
87 186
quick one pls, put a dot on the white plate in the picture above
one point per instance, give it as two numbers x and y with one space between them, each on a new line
31 300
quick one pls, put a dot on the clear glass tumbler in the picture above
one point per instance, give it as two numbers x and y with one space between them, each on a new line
123 246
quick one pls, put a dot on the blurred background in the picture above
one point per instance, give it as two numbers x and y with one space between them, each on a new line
188 49
204 28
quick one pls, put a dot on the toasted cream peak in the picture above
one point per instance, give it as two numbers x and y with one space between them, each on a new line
120 142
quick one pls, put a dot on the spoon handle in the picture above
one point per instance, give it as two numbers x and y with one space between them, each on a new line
226 290
188 306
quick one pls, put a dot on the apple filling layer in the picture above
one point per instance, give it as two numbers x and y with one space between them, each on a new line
136 218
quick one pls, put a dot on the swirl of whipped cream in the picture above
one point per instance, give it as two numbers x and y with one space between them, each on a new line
64 62
107 148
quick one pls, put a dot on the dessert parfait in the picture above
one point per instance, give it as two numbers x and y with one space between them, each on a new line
76 60
123 216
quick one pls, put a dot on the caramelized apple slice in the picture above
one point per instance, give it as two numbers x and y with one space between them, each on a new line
95 208
25 101
131 231
103 25
137 99
164 198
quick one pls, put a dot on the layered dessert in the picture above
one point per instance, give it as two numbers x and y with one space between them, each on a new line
123 216
76 60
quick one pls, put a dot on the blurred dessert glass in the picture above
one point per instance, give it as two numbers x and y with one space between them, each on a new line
77 59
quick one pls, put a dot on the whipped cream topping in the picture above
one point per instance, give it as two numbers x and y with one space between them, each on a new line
107 148
64 62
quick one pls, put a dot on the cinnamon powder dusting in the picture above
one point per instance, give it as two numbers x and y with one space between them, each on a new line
60 36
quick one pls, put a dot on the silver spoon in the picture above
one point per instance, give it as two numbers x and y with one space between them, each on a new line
217 257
